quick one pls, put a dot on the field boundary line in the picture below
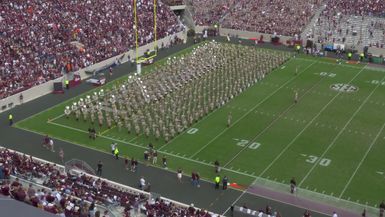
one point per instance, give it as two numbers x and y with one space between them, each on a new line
272 123
340 133
362 160
156 166
295 138
252 109
143 147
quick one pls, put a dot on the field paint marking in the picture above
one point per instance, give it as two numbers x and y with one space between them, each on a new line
340 133
272 123
109 153
55 118
292 141
139 146
251 110
362 160
184 131
107 130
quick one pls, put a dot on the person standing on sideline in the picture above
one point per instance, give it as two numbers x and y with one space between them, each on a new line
179 175
217 181
193 179
113 146
364 213
99 168
197 179
382 208
334 214
67 84
217 167
164 161
51 145
116 153
293 185
110 71
126 163
154 157
61 155
142 183
21 98
229 117
225 182
307 214
10 119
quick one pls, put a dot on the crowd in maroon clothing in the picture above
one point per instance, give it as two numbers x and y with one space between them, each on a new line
209 12
70 191
283 17
162 208
40 40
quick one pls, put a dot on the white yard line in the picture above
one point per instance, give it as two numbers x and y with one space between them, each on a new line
292 141
362 160
143 147
339 133
251 110
279 116
200 121
167 153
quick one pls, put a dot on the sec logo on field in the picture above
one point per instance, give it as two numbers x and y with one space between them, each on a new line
346 88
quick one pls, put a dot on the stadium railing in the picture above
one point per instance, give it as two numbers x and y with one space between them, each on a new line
114 184
35 185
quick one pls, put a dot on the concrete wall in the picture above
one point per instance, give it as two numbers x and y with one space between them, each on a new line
244 34
247 35
377 51
46 88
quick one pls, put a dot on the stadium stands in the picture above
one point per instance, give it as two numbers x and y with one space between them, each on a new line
352 22
75 193
281 17
268 16
209 12
41 40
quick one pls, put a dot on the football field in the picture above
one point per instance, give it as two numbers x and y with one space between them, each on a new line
332 141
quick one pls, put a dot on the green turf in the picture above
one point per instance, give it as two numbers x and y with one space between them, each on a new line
331 142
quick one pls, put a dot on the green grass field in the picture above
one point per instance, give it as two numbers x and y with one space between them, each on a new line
332 141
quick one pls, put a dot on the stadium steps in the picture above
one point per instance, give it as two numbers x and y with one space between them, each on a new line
309 27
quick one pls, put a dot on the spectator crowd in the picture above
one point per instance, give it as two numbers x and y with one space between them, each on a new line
351 22
77 194
40 39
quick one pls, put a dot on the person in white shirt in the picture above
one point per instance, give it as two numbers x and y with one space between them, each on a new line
335 214
142 183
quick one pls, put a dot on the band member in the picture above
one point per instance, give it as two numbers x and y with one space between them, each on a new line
67 111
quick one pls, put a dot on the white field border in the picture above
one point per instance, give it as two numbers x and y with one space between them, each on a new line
295 138
177 156
187 159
